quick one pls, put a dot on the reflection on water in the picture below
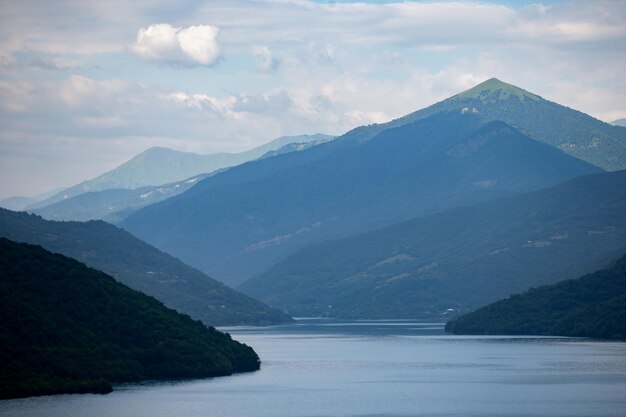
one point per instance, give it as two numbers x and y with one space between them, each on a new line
342 328
323 368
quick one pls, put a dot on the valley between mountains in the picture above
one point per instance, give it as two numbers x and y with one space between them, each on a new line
446 214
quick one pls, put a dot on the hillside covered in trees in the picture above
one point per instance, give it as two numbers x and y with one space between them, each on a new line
591 306
67 328
457 260
142 267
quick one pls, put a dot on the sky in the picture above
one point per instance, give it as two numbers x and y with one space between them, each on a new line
87 84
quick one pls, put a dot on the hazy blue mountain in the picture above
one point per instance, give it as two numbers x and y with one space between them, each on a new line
157 166
116 204
619 122
140 266
17 202
576 133
20 203
459 259
296 147
67 328
239 222
113 205
591 306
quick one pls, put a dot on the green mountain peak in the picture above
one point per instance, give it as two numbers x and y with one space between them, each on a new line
493 90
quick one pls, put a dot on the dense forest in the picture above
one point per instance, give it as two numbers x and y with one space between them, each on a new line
142 267
67 328
591 306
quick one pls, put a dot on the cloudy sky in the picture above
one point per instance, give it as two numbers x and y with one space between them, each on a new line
87 84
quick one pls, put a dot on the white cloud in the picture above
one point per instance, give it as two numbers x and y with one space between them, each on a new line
274 102
324 54
287 67
366 118
200 43
190 45
52 65
16 97
202 102
82 92
265 60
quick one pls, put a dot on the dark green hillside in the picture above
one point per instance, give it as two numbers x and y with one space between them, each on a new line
238 223
458 259
141 267
67 328
591 306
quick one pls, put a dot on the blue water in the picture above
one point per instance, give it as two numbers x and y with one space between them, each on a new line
319 368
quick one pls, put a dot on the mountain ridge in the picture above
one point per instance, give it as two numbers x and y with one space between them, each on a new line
458 259
495 89
619 122
238 222
140 266
577 133
114 205
159 165
570 130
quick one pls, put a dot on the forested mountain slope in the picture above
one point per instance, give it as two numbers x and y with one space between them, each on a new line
235 224
455 261
591 306
140 266
67 328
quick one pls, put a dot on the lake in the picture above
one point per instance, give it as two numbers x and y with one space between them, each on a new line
320 368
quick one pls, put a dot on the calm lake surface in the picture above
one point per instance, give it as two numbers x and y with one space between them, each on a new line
319 368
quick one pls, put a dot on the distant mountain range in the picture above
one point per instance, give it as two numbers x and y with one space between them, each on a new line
18 203
296 147
253 224
591 306
67 328
141 267
238 223
619 122
455 261
157 166
114 205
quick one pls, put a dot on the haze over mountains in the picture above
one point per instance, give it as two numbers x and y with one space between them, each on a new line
141 267
439 212
200 206
20 203
238 223
114 205
456 260
157 166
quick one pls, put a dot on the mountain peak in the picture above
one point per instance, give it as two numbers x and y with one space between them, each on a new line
160 150
494 89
